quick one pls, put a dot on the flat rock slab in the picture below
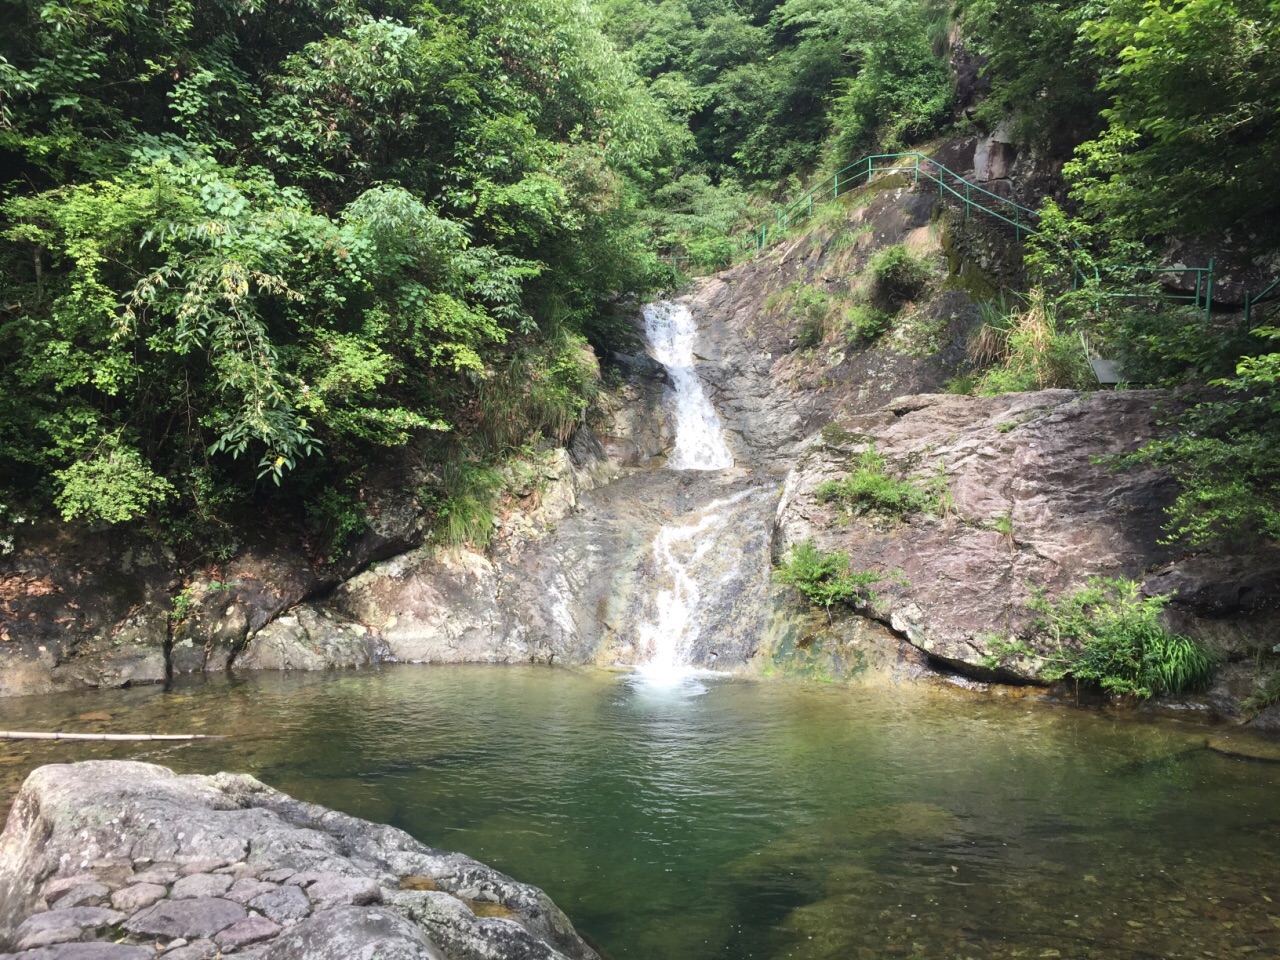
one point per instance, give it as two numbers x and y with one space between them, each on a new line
61 926
173 850
347 932
84 951
283 903
187 918
138 896
247 931
201 885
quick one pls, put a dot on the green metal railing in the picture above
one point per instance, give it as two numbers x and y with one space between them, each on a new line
861 172
1269 295
1024 221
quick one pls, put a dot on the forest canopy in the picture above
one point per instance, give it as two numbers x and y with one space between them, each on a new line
249 246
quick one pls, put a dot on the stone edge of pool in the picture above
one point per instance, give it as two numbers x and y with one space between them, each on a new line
120 860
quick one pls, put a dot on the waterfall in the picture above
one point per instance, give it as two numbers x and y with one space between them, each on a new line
700 443
679 550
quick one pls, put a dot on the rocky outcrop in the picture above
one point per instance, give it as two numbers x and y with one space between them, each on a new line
1027 506
114 860
82 609
581 593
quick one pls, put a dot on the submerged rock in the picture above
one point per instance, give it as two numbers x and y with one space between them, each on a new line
135 827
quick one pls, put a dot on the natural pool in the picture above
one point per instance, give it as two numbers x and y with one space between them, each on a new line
731 819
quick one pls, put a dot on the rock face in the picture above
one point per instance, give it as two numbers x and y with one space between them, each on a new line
1029 507
207 866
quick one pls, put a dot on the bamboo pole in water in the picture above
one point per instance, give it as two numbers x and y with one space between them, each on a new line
12 735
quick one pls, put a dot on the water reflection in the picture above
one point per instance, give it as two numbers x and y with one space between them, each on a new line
717 818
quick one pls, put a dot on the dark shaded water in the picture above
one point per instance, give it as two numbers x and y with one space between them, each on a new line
740 820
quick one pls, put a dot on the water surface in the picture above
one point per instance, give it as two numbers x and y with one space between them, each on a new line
731 819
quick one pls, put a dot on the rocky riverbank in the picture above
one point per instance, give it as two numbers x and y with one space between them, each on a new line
116 860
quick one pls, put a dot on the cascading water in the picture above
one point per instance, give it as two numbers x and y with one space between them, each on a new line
679 549
700 443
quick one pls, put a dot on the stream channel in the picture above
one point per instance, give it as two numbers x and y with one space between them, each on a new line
685 815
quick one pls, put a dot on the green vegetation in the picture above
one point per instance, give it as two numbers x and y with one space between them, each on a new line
871 489
256 247
268 246
1266 694
825 579
1026 350
900 275
1110 635
863 323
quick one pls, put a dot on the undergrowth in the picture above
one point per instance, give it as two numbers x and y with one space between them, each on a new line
871 489
1108 634
826 579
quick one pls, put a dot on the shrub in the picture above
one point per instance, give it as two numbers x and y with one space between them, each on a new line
1110 635
900 275
865 323
1266 694
871 489
114 485
825 578
1028 351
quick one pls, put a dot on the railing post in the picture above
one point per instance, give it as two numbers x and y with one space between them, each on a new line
1208 292
835 195
1017 224
968 199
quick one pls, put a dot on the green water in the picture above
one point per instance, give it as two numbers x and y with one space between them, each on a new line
744 820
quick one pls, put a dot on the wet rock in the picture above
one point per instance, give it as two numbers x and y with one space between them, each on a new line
311 639
200 885
1267 722
191 919
137 814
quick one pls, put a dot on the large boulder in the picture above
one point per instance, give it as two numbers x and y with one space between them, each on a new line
1031 507
227 862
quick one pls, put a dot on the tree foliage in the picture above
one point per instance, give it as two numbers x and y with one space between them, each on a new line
254 243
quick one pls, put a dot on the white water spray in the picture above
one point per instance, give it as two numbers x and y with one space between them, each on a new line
677 551
700 443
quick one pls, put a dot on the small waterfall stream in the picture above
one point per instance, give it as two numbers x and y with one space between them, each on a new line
700 443
680 550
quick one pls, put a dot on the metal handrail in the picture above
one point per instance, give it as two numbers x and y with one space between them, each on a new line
1024 220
